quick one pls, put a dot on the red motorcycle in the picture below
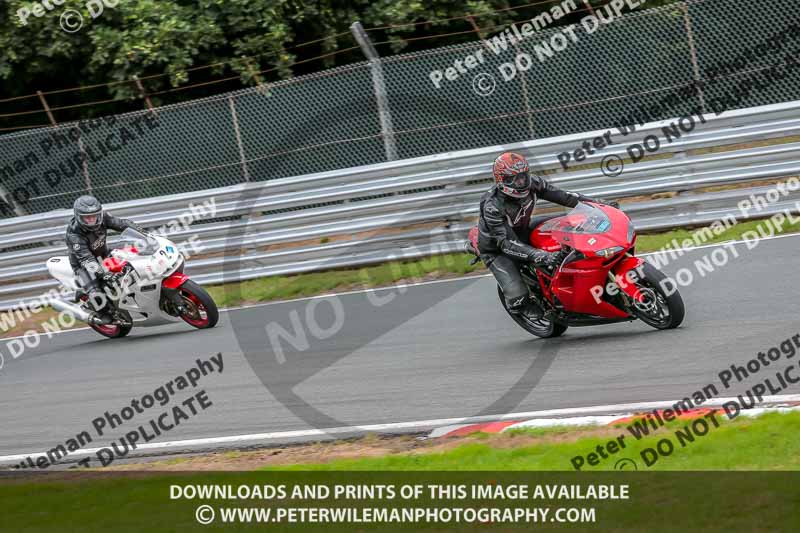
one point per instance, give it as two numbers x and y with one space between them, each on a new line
599 281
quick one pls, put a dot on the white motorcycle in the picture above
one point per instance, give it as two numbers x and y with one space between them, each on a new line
153 291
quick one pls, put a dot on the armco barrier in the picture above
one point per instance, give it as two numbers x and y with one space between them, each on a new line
416 207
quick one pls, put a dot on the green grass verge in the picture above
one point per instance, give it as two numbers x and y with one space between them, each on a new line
656 241
311 284
659 501
765 443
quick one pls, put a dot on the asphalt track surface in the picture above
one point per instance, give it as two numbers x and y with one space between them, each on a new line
456 355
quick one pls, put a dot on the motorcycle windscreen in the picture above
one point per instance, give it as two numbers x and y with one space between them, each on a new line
144 244
587 228
584 219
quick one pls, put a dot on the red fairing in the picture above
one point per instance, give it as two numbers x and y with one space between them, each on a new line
544 240
578 285
626 276
573 286
175 280
112 264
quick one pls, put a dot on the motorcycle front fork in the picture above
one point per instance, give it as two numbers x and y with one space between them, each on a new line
172 301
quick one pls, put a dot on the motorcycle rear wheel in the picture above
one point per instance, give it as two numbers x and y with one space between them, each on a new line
546 329
112 331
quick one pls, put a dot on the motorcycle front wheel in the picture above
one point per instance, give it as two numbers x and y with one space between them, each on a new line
545 329
662 307
201 310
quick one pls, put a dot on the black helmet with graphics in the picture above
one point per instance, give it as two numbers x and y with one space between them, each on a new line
513 175
88 212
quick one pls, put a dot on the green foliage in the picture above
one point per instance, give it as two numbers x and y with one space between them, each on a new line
214 46
143 37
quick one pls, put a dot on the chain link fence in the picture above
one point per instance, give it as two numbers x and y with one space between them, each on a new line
632 69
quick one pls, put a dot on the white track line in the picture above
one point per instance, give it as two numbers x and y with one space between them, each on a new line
606 420
451 280
399 426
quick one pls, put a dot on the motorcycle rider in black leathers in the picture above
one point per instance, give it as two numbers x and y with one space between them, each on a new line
86 240
506 222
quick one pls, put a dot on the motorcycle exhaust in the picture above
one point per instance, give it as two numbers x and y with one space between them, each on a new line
76 311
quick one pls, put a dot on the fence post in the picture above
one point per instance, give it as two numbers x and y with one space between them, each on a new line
478 31
379 84
239 144
525 97
693 52
475 27
142 93
261 88
85 164
47 108
7 203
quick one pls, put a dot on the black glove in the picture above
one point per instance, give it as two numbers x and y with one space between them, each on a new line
127 268
542 258
112 277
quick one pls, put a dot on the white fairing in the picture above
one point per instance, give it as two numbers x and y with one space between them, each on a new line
60 269
155 259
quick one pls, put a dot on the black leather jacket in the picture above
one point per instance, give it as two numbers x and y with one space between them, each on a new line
504 221
86 246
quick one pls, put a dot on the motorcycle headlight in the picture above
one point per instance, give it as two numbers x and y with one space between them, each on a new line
178 267
608 252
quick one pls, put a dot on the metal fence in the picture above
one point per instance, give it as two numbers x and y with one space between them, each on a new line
424 206
645 66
